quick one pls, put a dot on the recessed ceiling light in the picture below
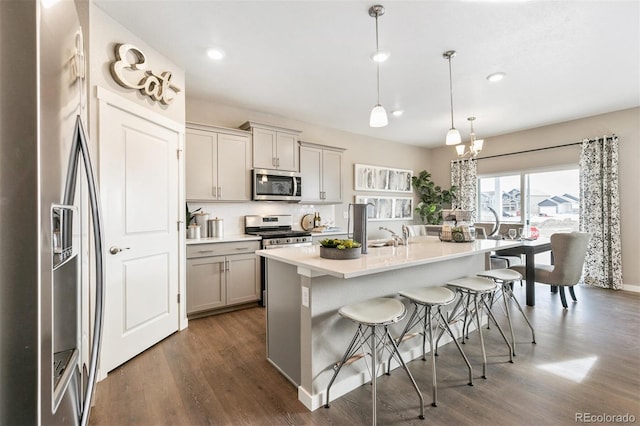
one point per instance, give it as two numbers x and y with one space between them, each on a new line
496 76
380 56
397 113
215 54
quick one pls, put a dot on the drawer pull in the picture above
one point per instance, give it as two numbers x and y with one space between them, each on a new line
242 248
206 251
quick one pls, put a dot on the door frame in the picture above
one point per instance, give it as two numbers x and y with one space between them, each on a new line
107 98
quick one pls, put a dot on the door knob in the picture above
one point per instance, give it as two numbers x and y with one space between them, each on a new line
116 250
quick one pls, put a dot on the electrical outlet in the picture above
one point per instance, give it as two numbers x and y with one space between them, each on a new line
305 297
345 215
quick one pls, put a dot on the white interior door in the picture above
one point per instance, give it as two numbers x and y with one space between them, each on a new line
140 202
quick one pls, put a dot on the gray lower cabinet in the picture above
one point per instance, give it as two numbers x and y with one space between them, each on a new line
222 275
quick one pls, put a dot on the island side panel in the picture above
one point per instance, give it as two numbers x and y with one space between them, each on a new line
283 319
330 334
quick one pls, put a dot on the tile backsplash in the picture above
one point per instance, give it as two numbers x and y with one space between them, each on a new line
234 213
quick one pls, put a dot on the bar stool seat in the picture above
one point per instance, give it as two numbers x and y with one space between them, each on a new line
373 317
473 291
425 299
505 278
378 311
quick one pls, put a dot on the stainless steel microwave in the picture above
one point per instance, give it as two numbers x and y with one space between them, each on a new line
276 185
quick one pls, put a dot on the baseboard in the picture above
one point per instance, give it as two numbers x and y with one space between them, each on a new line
633 288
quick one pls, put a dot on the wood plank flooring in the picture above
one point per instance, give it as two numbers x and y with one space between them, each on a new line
586 360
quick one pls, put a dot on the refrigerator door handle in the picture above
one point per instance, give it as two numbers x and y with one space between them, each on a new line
80 146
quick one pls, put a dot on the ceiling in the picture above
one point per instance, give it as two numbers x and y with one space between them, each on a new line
310 60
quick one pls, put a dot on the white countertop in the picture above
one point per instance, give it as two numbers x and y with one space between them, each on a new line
225 239
420 251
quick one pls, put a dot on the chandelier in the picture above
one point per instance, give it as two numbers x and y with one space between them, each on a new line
475 145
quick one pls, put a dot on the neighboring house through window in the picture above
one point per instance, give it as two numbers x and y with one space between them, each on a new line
547 199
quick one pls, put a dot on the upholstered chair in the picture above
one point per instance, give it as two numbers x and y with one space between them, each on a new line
569 251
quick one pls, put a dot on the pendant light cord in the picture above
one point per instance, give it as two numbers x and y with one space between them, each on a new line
377 62
451 90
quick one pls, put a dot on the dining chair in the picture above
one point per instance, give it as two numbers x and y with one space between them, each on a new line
569 251
415 230
497 261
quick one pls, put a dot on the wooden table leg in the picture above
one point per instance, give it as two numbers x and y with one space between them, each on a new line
530 278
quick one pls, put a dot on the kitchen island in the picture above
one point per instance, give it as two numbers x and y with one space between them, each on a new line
305 334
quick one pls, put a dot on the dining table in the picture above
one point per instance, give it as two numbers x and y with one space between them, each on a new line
529 248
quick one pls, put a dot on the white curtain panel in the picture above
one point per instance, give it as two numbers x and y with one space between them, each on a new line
464 175
600 212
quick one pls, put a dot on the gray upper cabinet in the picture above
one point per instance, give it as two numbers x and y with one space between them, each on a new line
274 147
322 172
217 163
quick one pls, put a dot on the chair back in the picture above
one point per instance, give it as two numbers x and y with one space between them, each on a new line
415 230
569 251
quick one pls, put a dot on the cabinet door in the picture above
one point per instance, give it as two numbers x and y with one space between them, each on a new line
205 283
233 168
200 159
310 166
332 176
264 148
242 279
286 150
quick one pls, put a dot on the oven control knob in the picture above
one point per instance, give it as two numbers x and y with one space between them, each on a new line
288 240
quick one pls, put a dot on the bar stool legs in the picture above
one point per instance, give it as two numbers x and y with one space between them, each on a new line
425 300
504 278
474 291
373 318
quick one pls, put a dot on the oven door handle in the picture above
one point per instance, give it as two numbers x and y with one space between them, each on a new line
287 245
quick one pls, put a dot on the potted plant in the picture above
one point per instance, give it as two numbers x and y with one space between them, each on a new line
340 249
432 198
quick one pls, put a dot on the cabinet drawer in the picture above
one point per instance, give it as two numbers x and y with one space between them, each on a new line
221 249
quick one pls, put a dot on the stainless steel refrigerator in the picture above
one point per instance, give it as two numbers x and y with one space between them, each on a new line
51 276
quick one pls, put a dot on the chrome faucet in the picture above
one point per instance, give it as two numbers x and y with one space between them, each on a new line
397 239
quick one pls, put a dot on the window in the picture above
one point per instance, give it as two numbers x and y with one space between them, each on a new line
549 200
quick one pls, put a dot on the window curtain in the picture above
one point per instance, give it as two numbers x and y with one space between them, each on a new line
464 175
600 212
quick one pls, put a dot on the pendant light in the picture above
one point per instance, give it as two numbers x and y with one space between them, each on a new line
453 135
378 116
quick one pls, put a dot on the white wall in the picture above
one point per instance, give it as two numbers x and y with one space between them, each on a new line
359 149
625 124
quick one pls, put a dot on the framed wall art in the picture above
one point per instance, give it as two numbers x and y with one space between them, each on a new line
375 178
387 208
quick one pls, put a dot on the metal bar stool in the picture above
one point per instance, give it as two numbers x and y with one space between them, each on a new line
504 278
474 290
373 317
424 300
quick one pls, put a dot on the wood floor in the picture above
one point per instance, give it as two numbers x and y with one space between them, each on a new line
586 363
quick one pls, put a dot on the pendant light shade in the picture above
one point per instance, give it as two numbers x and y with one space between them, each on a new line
453 135
378 116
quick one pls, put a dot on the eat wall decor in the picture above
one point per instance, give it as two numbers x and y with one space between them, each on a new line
129 70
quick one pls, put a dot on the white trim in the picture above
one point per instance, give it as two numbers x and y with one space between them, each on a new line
133 108
632 288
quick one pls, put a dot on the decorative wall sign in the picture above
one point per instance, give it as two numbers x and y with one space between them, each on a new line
388 208
374 178
157 86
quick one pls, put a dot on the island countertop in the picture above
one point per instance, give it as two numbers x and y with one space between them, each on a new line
419 251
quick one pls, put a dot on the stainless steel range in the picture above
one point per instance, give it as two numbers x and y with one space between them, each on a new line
276 231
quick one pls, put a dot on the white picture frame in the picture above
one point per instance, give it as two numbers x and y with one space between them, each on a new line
382 179
387 208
